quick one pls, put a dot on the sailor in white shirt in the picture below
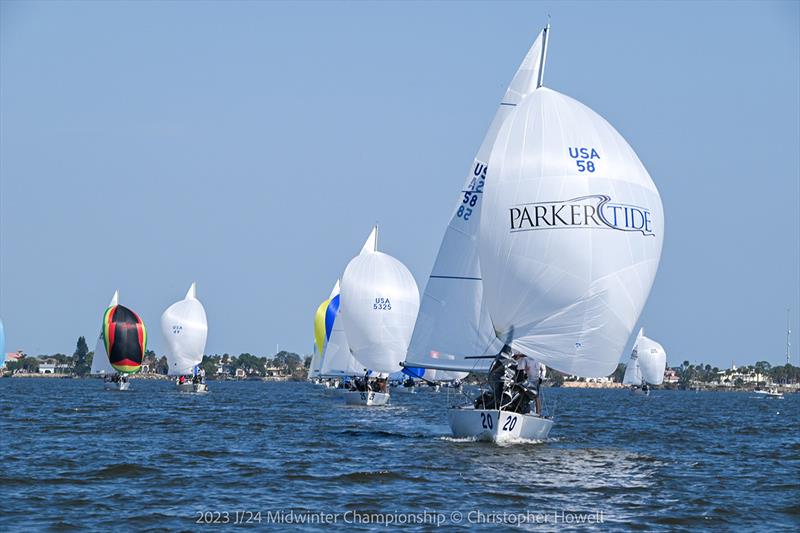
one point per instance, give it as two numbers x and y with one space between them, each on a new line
535 372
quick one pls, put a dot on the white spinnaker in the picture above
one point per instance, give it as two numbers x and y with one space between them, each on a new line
652 359
185 329
378 308
566 280
100 363
338 360
453 322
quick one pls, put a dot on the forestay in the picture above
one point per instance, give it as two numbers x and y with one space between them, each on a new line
453 321
570 235
185 330
379 304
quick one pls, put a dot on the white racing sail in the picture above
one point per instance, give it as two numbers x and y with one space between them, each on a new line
444 375
453 321
652 359
570 235
100 363
633 372
316 363
569 239
338 360
185 329
379 304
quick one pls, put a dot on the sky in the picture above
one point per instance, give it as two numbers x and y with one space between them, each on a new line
251 146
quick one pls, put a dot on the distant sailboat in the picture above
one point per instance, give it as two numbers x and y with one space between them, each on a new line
120 348
647 364
561 236
379 304
185 329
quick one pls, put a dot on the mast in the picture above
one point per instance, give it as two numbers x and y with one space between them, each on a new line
788 339
545 35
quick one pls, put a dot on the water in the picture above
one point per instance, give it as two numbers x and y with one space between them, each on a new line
76 457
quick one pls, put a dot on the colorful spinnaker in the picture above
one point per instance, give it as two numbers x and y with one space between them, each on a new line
125 339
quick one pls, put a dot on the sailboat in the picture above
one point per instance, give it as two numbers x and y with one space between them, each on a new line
551 253
185 329
120 346
379 304
646 366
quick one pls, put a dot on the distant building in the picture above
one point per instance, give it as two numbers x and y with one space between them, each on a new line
240 373
47 368
670 376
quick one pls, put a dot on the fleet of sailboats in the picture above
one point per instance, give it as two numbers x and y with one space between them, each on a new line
548 259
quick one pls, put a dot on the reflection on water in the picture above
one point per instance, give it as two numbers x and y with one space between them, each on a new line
73 451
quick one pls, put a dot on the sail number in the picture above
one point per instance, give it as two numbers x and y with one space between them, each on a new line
584 157
511 421
475 188
486 421
382 304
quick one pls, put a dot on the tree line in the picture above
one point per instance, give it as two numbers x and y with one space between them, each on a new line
80 362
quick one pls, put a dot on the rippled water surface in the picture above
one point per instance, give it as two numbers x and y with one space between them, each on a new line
76 457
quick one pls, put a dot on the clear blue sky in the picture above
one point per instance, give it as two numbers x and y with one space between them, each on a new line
250 146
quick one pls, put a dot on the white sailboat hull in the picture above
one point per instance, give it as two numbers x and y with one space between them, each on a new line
185 387
366 398
201 387
120 385
497 426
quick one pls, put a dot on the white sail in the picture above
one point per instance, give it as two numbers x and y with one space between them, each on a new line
185 328
316 363
453 321
100 363
439 375
652 359
379 304
633 372
570 235
338 360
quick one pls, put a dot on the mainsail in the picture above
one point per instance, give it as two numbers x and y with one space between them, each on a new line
185 328
100 362
453 321
338 360
633 372
379 304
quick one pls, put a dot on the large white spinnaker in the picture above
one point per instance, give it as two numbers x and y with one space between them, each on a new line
453 321
100 363
570 235
379 305
652 359
185 329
